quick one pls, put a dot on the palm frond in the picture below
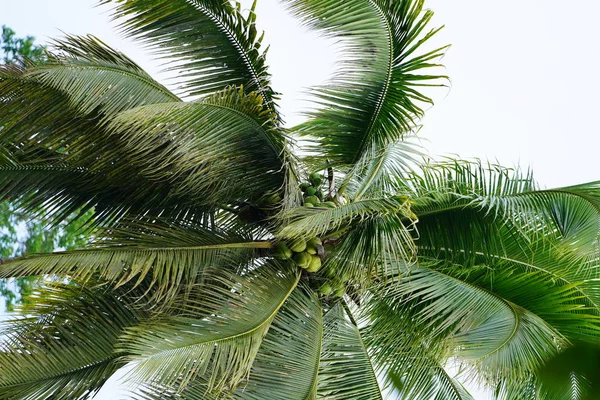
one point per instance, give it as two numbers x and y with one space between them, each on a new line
371 249
287 362
375 98
566 306
310 222
168 256
66 350
285 367
221 149
57 191
42 132
494 339
346 370
377 175
477 322
97 78
210 42
409 359
569 216
215 333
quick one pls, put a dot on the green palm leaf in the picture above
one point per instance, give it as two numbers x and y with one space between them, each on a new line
216 335
212 43
97 78
410 356
375 99
168 256
225 147
346 370
67 349
287 362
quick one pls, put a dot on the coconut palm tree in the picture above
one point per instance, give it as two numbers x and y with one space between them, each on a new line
229 261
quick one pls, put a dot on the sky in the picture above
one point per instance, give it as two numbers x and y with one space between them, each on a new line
523 90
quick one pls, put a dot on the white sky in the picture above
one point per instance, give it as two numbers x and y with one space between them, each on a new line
524 83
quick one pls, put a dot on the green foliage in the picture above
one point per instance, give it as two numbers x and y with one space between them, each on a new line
208 273
14 48
22 232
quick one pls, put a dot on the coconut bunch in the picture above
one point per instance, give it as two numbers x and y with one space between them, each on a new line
309 254
313 195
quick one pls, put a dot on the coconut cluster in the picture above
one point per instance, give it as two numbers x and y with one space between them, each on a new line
306 254
313 196
309 254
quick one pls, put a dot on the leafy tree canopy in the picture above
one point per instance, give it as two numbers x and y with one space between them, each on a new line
229 260
26 232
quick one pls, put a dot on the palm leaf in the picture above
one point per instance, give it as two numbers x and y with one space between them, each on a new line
570 216
169 256
210 42
309 222
564 306
215 332
287 362
374 100
67 349
97 78
409 358
346 370
221 149
377 175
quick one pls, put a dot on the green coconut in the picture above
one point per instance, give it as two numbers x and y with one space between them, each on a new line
314 242
282 251
270 199
319 194
328 204
311 191
340 291
326 289
309 205
303 259
312 246
315 264
316 179
312 199
298 246
304 186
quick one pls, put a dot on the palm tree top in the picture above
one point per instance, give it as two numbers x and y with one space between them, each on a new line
232 256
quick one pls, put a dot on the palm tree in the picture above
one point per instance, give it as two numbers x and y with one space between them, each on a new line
229 261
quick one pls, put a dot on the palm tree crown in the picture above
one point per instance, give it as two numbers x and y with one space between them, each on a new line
227 261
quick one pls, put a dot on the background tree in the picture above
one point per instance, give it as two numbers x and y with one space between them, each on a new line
27 232
227 263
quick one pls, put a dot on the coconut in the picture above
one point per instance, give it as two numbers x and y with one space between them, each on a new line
303 259
304 186
298 246
326 289
316 179
328 204
311 191
340 291
282 252
315 264
314 242
309 205
311 199
270 199
314 246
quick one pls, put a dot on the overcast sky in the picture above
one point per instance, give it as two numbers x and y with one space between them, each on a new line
524 76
